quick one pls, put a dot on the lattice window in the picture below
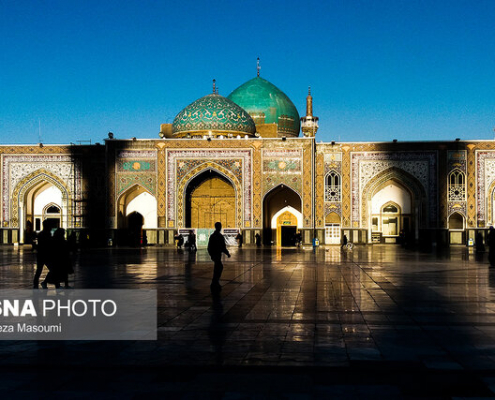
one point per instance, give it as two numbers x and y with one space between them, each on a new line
333 187
457 186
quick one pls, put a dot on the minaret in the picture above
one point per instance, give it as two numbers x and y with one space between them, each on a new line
309 124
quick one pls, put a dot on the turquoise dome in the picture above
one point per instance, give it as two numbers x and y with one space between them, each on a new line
267 104
213 113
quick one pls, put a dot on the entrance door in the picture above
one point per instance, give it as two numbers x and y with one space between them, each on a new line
289 235
332 233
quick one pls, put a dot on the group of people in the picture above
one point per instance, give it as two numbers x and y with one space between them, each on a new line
54 253
191 241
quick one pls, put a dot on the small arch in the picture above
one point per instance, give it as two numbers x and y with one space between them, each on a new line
332 218
456 186
333 186
456 221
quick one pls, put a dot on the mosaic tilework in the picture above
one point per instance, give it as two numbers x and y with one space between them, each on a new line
367 165
485 165
257 193
456 161
57 168
333 163
282 166
308 187
320 188
223 158
136 167
335 207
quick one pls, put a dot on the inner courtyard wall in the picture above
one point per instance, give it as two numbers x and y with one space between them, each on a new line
93 179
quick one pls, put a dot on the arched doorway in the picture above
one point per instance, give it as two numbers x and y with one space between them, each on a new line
391 213
456 229
399 187
43 201
210 197
286 223
137 210
276 200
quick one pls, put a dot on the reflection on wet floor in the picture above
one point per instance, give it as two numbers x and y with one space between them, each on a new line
286 307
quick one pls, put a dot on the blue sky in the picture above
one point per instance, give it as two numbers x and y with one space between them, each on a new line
379 70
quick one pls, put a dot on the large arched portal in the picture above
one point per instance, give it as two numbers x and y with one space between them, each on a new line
278 199
43 201
210 197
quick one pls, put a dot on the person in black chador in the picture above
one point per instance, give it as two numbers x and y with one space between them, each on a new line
179 240
61 264
257 239
216 246
43 252
491 245
480 246
239 239
192 241
344 242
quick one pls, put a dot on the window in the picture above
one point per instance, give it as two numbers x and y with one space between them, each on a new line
333 185
457 186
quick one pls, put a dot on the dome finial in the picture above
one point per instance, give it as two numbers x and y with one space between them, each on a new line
214 86
258 66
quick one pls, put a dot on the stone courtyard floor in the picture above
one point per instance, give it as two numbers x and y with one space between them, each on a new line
377 322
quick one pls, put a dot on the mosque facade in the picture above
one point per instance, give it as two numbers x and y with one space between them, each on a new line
251 162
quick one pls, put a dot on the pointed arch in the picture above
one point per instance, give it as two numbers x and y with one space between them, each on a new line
274 200
126 197
200 169
33 183
333 186
404 180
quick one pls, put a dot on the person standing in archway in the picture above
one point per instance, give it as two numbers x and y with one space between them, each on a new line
217 246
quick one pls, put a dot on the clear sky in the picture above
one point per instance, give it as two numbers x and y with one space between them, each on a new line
73 70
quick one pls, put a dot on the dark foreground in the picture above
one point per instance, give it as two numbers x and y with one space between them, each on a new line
378 322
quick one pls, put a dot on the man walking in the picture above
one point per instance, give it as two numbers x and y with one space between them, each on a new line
216 246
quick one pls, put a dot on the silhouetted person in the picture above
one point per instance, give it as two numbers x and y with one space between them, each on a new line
298 239
192 241
257 239
344 242
217 246
60 265
491 244
480 246
180 241
239 239
44 252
